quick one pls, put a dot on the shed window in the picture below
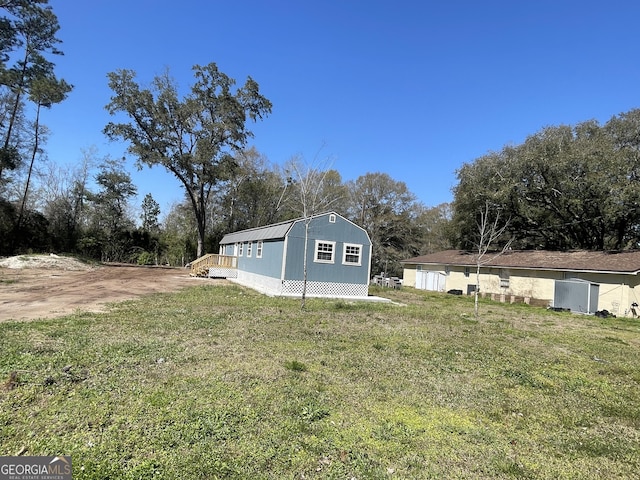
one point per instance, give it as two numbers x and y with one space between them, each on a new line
504 278
324 251
352 254
259 249
332 218
249 247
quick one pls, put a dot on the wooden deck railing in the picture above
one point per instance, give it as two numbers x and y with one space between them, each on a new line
202 265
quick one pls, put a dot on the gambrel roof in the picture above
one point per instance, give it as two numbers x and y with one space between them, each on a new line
627 262
271 232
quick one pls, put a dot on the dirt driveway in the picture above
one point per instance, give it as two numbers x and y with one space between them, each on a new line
29 293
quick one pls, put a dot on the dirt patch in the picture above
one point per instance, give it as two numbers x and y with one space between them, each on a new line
41 286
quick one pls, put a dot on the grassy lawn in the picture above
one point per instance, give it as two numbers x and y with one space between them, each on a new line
221 382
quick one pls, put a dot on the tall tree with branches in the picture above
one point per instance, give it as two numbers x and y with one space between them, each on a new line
388 211
313 195
194 138
45 92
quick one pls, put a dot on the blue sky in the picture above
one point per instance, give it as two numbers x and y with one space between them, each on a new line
409 88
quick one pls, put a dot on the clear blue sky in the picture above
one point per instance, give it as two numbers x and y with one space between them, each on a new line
410 88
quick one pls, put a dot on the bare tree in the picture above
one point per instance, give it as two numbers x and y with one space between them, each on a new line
313 197
490 230
62 193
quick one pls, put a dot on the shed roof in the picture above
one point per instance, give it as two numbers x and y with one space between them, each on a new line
582 261
268 232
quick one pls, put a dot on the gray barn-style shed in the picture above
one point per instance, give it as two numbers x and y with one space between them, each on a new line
270 259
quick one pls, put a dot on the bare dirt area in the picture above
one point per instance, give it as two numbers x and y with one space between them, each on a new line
39 286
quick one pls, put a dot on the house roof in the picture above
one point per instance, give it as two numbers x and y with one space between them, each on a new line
581 261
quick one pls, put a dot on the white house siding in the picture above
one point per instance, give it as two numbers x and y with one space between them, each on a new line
616 293
534 283
522 283
455 279
409 276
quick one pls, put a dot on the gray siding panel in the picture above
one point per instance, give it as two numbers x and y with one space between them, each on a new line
269 265
341 232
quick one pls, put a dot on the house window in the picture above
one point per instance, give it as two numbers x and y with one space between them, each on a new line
249 246
352 254
466 271
259 249
240 248
324 251
504 278
332 218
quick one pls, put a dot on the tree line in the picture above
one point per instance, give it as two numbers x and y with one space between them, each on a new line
88 209
565 187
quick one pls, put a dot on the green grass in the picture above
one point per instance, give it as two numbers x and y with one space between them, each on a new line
221 382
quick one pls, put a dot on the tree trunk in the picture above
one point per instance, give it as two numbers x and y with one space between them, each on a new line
477 290
201 220
34 152
304 264
200 249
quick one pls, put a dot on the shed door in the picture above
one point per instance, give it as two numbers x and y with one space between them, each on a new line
576 295
434 281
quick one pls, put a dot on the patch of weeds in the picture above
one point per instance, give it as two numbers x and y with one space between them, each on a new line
615 340
598 447
342 305
469 321
513 468
527 379
614 370
295 366
312 412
